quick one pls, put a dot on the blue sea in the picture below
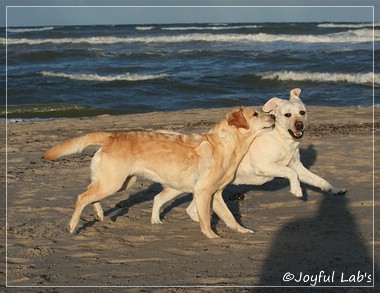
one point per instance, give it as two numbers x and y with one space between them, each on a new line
78 71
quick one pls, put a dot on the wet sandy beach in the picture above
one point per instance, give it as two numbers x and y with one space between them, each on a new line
322 234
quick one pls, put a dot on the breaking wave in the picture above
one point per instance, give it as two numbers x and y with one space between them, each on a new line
354 36
350 25
144 28
104 78
28 30
357 78
215 27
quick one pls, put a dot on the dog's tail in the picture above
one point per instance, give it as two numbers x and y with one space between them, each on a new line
76 145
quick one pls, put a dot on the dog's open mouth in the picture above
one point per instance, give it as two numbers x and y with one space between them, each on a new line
296 134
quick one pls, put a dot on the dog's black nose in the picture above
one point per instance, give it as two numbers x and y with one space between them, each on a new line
299 125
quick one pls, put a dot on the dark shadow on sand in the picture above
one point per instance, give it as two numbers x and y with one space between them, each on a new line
232 195
327 244
122 207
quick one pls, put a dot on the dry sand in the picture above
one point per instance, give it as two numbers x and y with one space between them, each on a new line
322 233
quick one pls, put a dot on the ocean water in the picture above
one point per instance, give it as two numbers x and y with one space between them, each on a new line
74 71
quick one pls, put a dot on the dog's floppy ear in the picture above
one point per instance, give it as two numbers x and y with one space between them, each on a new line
237 119
271 104
295 94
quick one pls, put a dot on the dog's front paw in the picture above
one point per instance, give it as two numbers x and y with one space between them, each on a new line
156 221
72 228
241 229
211 235
297 192
337 191
98 211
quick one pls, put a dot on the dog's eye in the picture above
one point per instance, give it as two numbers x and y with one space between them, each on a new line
288 115
302 113
255 114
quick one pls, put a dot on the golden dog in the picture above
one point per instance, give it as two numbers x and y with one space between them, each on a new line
274 154
200 164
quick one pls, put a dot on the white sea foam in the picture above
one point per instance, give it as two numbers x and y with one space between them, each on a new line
27 30
350 36
144 28
218 27
344 25
104 78
357 78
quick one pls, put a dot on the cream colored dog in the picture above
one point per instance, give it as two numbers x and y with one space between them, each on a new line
273 154
201 164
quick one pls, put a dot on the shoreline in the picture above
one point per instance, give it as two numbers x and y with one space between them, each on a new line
126 250
323 120
82 112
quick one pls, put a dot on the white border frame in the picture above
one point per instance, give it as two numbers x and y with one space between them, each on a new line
200 286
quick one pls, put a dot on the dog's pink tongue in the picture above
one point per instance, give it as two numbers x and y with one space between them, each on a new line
298 133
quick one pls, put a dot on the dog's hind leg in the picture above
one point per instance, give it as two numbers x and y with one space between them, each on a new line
98 207
129 182
191 210
96 191
105 181
159 200
98 210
